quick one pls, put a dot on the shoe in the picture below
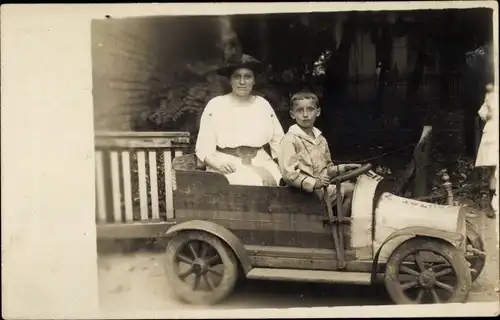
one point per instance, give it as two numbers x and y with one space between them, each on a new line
471 215
490 213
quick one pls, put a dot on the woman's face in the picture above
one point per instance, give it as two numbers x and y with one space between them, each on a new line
242 82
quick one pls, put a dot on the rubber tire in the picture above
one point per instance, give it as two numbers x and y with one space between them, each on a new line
474 239
179 288
454 256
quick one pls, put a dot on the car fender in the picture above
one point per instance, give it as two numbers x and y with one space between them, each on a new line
219 231
451 237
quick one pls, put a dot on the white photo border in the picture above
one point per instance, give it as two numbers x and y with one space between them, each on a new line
48 230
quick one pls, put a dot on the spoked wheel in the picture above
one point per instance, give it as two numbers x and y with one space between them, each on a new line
423 271
475 251
200 268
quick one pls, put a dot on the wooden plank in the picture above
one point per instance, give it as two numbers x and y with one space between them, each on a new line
248 201
100 189
291 252
133 144
292 257
147 134
253 216
200 181
296 263
200 190
310 276
143 194
127 186
115 183
286 238
276 222
154 185
135 230
169 197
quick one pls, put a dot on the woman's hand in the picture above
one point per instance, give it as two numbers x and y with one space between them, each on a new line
227 168
223 167
322 181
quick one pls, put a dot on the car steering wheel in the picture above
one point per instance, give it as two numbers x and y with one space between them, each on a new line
351 174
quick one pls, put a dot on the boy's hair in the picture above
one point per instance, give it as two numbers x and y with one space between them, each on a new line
303 95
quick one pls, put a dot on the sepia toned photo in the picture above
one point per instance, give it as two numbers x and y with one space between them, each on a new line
250 160
295 159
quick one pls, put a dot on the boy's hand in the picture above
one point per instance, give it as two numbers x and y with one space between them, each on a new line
351 166
322 182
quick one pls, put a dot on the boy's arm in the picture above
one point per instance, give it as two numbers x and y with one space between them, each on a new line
289 166
332 169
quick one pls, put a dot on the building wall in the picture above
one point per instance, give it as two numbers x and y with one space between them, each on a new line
133 58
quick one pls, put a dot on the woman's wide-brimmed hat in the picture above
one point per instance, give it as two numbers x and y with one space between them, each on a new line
246 61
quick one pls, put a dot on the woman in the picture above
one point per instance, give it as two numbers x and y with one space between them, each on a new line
235 128
487 155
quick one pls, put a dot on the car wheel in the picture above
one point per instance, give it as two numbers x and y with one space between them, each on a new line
200 268
427 270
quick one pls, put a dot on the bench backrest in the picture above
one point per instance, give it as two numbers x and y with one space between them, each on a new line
134 175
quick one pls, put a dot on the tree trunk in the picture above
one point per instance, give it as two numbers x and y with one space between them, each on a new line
263 38
384 57
415 76
337 69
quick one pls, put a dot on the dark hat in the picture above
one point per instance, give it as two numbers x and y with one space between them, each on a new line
246 61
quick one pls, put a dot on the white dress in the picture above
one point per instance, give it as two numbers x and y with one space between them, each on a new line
487 154
225 124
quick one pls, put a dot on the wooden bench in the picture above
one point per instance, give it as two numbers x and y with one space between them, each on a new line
134 181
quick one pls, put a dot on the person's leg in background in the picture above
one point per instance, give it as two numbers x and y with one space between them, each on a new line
494 198
493 176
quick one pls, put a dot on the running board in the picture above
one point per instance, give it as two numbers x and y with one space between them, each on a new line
363 278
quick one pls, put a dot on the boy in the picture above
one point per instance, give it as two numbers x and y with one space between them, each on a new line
304 156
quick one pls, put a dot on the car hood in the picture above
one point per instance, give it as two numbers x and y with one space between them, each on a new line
396 213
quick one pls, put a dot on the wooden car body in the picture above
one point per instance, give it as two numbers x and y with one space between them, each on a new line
288 229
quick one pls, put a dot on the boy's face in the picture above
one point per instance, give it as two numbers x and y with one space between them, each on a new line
305 112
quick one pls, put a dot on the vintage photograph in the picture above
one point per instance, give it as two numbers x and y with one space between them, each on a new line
309 159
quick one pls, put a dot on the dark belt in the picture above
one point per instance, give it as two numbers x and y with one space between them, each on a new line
245 153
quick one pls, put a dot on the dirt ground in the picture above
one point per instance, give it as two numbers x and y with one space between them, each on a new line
136 281
486 287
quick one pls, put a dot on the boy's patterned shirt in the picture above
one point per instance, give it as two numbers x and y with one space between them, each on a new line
302 158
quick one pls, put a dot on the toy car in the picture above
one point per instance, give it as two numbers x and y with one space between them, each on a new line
423 252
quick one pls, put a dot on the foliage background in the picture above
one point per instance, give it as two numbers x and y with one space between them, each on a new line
157 74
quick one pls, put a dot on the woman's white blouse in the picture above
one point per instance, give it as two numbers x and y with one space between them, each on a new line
226 125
